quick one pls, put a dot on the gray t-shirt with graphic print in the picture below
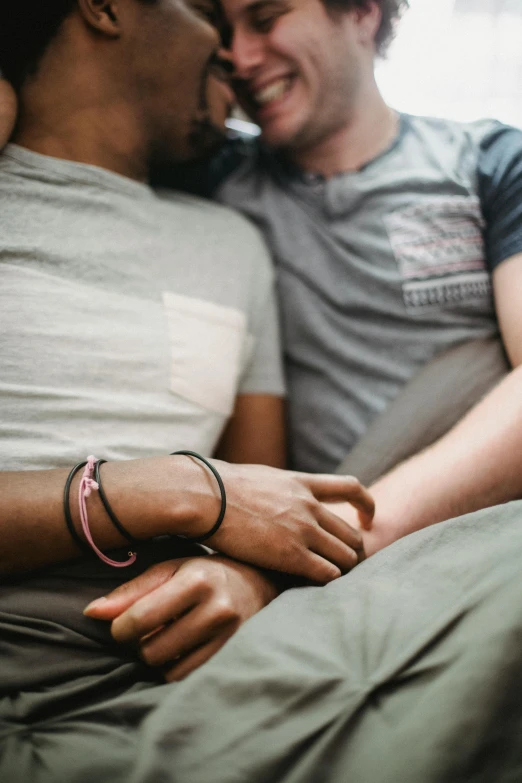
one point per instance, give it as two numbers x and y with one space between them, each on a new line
129 321
381 269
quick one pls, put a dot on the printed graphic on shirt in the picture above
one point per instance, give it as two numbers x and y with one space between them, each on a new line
439 248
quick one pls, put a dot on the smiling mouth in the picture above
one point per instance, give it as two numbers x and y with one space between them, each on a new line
272 92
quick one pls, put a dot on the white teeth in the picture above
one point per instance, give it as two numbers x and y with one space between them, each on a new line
272 92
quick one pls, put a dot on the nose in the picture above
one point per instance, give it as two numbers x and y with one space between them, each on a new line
246 53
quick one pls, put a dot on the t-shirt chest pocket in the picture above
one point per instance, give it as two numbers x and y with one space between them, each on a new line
207 344
439 249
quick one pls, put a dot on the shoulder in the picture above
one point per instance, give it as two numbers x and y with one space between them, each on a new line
219 221
231 239
483 134
500 151
437 130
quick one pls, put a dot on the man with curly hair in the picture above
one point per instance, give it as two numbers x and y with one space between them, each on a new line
396 241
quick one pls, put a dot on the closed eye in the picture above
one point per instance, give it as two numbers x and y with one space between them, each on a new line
264 15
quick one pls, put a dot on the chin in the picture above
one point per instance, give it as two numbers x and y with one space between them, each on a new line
277 138
205 139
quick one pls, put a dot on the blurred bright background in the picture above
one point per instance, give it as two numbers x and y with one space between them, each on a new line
460 59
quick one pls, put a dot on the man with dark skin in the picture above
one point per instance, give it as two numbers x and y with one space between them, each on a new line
118 87
7 111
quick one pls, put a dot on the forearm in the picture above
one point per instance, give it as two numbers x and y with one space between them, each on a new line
164 495
274 518
476 465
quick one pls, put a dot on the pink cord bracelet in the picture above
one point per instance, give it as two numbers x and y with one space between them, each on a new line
87 484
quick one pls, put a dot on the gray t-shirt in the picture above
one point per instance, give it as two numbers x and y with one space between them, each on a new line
129 320
380 269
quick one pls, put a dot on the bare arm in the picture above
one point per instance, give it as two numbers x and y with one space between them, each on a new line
256 432
274 518
478 463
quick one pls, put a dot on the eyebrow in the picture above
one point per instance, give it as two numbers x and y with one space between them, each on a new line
262 3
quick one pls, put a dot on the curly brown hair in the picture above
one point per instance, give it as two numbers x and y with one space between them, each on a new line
391 11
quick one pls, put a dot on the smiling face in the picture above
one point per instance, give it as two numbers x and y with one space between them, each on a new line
299 68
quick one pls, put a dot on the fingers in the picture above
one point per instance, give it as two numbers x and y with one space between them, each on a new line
328 548
331 489
337 542
339 553
161 606
108 607
193 630
341 529
317 569
194 660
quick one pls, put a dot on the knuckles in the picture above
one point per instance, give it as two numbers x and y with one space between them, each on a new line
225 611
201 580
151 656
291 552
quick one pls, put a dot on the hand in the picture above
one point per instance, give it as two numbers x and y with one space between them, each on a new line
384 531
182 611
8 107
275 519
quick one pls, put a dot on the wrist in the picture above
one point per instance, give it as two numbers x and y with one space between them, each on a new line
266 584
151 497
202 509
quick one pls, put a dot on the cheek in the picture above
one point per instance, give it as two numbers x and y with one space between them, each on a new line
219 99
8 110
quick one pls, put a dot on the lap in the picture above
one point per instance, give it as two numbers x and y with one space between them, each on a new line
405 669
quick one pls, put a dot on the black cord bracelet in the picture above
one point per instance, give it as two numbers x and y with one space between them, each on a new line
84 546
107 506
219 520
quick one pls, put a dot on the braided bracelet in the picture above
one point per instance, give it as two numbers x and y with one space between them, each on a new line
221 516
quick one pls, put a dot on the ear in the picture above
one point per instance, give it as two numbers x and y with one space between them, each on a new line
102 15
8 109
368 21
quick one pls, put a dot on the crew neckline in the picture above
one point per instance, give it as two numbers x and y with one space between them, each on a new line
58 169
316 179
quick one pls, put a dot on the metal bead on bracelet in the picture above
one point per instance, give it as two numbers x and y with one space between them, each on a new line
217 524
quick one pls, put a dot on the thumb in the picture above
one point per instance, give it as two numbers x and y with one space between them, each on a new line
110 606
332 489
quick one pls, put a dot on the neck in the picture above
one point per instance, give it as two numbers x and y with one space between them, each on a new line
86 136
83 118
368 132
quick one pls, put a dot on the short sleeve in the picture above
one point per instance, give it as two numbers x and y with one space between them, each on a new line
500 188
